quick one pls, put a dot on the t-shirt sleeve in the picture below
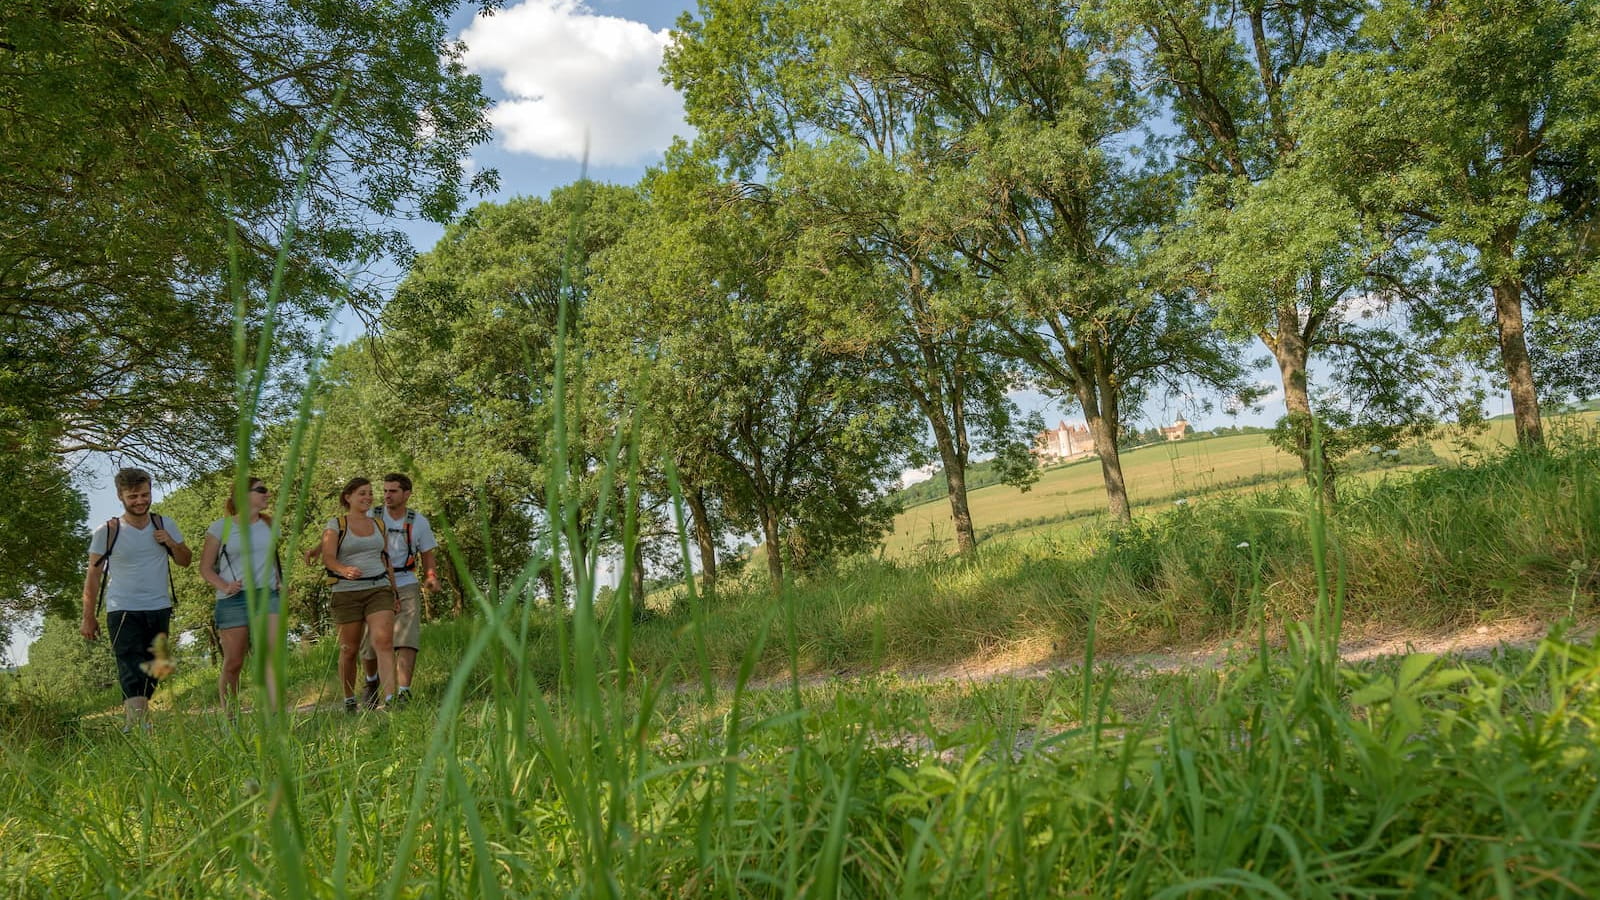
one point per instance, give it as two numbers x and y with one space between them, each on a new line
97 542
422 532
215 531
172 529
333 525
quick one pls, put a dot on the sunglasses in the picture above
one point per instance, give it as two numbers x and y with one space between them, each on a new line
259 489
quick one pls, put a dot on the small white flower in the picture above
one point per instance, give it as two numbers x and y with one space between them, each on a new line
1242 545
1181 501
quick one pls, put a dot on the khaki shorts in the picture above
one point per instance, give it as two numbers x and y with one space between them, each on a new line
355 606
407 625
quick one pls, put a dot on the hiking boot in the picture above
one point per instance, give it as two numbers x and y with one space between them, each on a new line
402 698
350 706
369 695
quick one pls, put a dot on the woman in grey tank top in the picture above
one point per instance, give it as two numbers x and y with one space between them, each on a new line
355 553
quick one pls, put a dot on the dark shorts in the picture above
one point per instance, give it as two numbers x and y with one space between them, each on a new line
234 612
133 634
355 606
407 623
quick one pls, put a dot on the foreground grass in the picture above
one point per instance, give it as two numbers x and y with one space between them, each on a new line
539 763
1280 775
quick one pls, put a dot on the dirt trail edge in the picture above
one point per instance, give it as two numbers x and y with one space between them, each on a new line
1359 645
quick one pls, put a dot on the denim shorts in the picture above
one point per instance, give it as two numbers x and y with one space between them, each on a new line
234 612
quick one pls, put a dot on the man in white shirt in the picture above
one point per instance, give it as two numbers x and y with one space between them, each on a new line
128 564
411 548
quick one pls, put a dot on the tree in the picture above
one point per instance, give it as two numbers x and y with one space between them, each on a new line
140 135
1469 122
1279 255
465 368
1037 184
776 85
43 555
797 438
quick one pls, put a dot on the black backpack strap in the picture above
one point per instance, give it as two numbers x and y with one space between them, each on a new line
172 588
113 528
344 525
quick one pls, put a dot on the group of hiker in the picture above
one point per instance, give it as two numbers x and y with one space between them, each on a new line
377 562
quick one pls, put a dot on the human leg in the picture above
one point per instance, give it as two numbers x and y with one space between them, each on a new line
234 641
407 634
133 636
380 626
349 642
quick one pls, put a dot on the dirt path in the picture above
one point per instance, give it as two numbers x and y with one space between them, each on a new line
1370 643
1367 643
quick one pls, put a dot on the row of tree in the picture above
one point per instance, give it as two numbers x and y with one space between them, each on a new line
896 213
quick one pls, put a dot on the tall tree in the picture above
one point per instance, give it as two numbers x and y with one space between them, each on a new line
1279 255
774 87
467 355
1032 117
797 435
1468 121
138 135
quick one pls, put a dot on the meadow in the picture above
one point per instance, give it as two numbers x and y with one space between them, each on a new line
715 750
1157 475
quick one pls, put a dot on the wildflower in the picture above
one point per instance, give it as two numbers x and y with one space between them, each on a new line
1181 501
1242 545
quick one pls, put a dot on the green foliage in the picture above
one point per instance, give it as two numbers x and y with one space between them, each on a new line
1463 126
140 134
742 380
44 549
63 668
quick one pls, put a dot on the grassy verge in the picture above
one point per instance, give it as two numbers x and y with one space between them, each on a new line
1510 535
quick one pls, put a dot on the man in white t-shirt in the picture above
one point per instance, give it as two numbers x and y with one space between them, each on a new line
411 548
129 558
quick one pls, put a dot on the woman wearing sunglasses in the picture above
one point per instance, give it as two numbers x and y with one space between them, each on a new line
239 559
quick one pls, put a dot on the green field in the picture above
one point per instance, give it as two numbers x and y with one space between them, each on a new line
1156 476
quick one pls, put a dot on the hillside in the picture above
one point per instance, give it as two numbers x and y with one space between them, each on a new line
1157 475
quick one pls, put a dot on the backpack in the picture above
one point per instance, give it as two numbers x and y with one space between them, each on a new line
113 529
222 556
411 552
332 577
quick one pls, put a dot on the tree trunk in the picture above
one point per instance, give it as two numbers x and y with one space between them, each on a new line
637 579
1514 356
955 478
1293 353
769 529
1100 411
704 539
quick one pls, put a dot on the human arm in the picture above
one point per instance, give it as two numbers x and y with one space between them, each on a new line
430 572
172 539
330 555
90 626
208 567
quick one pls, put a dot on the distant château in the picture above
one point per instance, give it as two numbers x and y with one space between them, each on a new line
1064 442
1068 442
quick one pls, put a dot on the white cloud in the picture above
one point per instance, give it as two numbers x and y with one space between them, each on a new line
565 72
